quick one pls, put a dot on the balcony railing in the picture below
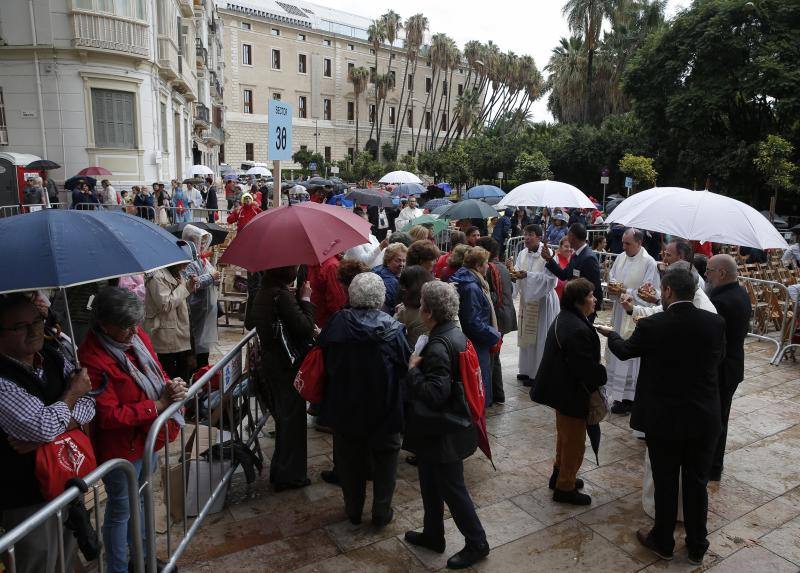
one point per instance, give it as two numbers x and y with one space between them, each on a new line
107 32
216 86
201 54
214 135
201 114
168 59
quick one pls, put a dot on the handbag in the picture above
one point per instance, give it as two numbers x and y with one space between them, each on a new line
294 354
69 456
310 379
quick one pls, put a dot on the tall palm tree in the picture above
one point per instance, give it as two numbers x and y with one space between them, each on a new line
358 77
376 35
392 25
415 27
567 67
451 61
440 45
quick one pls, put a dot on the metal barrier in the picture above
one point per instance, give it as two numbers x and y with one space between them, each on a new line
442 240
772 307
55 508
229 412
513 247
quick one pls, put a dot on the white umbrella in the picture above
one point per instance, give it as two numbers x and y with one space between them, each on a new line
258 170
698 216
550 194
400 177
196 170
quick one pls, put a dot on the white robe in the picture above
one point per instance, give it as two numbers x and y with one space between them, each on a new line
370 253
538 307
407 214
632 272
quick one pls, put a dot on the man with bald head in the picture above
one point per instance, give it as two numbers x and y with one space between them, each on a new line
732 304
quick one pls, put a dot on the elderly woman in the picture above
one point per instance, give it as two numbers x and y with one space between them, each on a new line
274 302
432 381
394 261
203 301
476 312
423 253
420 233
166 317
138 390
144 202
556 229
365 354
570 371
455 260
411 281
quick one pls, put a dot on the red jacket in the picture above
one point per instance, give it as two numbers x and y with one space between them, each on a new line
243 215
123 413
327 293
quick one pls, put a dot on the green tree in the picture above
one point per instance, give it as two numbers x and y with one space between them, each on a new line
303 157
774 162
408 163
455 164
358 77
639 168
365 167
532 166
387 151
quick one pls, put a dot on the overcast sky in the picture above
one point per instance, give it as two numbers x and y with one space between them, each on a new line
532 28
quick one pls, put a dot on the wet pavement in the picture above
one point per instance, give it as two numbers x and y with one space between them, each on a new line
753 522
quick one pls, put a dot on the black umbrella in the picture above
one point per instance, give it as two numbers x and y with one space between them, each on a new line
613 204
194 180
371 197
44 164
73 182
317 182
469 209
218 234
594 438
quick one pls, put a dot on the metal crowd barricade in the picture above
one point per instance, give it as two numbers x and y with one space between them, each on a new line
513 247
167 215
195 482
442 240
55 510
774 314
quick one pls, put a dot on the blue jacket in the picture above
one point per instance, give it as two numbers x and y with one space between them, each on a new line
366 357
474 311
553 234
392 284
502 229
78 198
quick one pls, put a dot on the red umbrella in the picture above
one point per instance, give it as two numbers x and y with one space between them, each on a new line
94 170
304 234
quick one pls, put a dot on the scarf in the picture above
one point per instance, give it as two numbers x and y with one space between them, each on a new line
485 288
149 378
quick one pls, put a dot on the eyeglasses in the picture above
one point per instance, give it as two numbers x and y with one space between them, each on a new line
710 270
21 327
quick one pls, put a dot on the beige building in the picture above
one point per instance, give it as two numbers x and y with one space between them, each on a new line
301 53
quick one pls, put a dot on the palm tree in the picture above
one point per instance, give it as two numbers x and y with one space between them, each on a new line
358 77
376 35
566 83
452 60
440 44
392 24
415 27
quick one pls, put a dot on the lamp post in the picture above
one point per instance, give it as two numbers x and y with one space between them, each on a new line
316 135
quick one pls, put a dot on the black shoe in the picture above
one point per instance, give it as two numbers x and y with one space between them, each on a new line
528 382
501 400
279 487
573 497
355 520
624 407
411 460
419 539
716 475
696 558
468 556
160 566
330 476
644 538
523 377
554 478
383 521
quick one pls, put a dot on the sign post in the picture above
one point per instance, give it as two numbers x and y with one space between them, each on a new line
629 184
604 181
280 142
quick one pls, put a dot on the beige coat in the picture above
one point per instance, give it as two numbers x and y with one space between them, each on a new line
166 313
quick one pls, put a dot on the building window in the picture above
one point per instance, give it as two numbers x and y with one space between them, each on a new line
3 124
275 31
427 120
428 63
301 107
247 101
122 9
460 89
372 51
393 78
411 82
326 42
392 115
428 85
326 67
247 55
301 63
276 96
410 115
276 59
392 55
246 26
326 109
301 37
372 74
304 148
443 126
249 153
372 113
351 48
113 117
444 87
350 67
222 153
164 140
351 152
327 154
351 111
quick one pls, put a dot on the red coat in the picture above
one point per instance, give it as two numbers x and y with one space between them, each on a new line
124 414
441 263
243 215
327 293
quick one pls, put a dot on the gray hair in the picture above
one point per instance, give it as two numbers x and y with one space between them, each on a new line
686 266
441 300
637 234
117 306
367 291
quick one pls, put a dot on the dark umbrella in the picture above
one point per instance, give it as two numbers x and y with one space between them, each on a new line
613 204
469 209
594 438
441 208
44 164
194 180
408 189
218 234
73 182
437 203
371 197
317 182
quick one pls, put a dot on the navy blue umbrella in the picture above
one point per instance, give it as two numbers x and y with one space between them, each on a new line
407 189
484 191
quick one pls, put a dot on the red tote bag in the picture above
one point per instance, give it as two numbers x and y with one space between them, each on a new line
70 455
310 379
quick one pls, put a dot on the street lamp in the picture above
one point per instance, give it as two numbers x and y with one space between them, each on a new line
316 136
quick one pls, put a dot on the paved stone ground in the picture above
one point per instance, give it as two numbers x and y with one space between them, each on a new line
754 517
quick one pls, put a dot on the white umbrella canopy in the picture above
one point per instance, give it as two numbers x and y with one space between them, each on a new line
550 194
258 170
400 177
196 170
698 216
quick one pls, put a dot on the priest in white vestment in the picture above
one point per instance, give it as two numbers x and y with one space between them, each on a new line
632 269
538 302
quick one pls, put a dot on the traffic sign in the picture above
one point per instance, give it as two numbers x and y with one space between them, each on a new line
312 166
629 182
280 130
605 172
604 180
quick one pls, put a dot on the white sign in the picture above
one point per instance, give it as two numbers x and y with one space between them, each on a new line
27 114
280 131
231 372
604 181
335 170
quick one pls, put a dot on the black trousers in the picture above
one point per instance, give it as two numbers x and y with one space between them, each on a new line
498 393
175 364
288 408
725 398
353 455
691 460
444 483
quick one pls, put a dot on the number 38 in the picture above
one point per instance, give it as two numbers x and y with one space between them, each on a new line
280 138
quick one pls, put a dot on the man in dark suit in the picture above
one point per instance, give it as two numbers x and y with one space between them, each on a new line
583 263
732 304
677 407
382 220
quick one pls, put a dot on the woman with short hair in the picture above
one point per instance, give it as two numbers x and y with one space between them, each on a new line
456 238
423 253
455 260
394 261
411 282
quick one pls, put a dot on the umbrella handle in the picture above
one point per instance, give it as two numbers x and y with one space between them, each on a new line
100 389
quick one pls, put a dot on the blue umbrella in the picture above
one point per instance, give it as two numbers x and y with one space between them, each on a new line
230 176
407 189
436 203
484 191
340 200
445 187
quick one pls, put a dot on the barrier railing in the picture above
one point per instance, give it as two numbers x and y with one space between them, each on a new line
774 314
55 510
226 419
